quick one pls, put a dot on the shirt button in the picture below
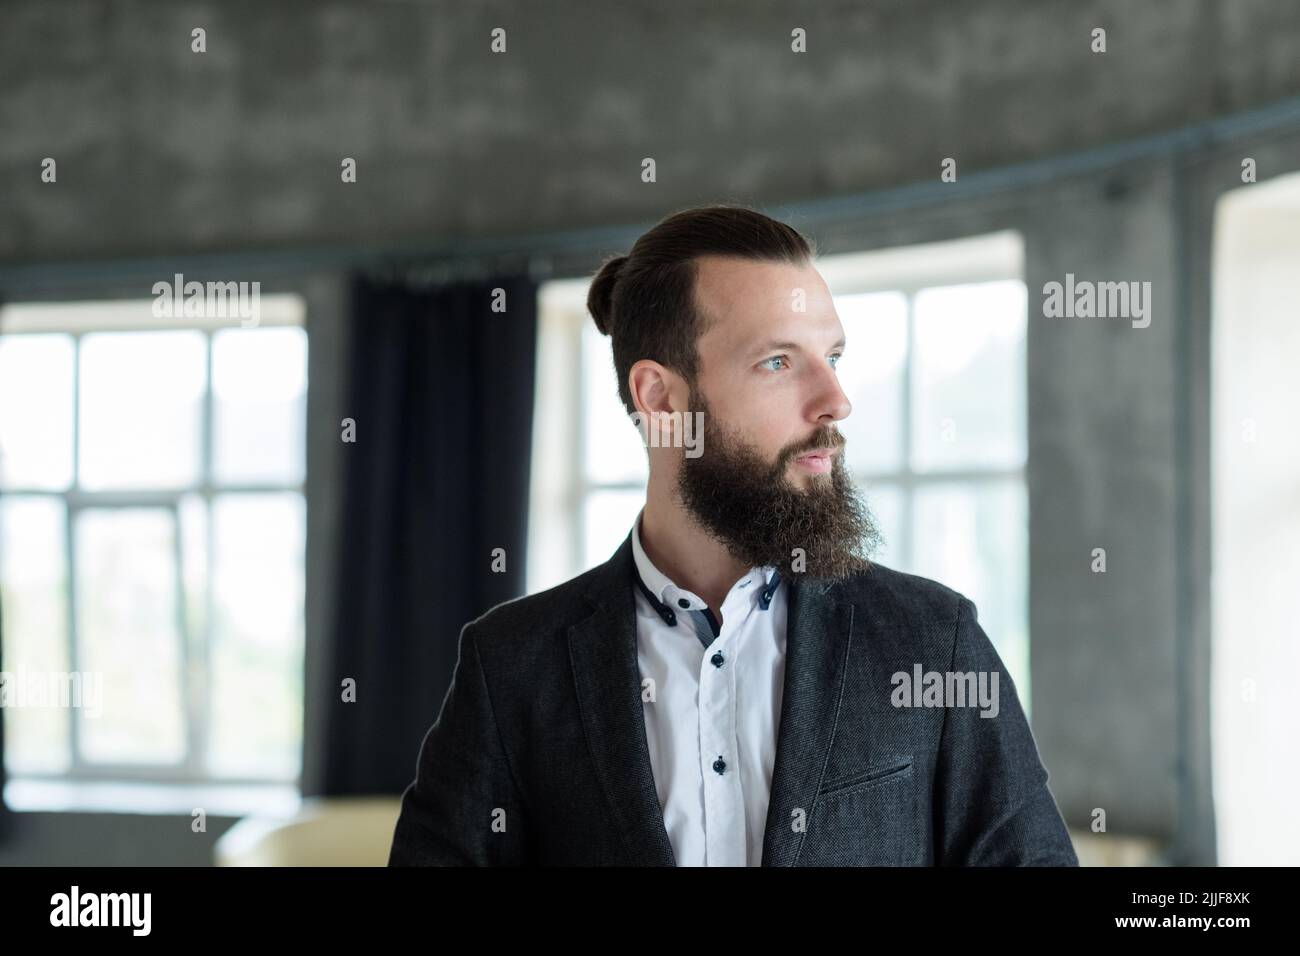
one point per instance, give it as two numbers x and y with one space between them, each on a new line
717 659
719 765
682 602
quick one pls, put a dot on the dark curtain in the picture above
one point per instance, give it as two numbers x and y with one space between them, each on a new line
441 390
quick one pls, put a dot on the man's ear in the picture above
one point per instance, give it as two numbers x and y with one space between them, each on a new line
651 386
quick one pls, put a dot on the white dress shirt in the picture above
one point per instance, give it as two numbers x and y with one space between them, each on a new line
712 725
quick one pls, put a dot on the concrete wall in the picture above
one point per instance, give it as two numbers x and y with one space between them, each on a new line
162 150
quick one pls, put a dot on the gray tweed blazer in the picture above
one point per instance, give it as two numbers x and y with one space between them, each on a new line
539 753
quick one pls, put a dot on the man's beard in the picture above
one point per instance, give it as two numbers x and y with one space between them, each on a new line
751 507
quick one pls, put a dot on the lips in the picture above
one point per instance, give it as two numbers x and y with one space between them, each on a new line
817 461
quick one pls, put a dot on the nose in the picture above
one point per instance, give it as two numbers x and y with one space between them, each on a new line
830 402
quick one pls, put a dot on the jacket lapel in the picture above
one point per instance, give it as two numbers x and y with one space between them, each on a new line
603 652
819 627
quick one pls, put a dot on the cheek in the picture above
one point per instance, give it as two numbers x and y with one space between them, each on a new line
765 424
770 439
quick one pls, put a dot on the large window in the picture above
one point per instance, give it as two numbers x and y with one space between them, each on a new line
152 529
935 369
1255 479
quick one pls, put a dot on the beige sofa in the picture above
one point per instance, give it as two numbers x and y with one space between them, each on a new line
336 831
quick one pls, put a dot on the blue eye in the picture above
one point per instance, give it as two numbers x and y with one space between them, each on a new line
781 358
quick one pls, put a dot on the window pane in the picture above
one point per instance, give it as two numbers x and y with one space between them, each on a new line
257 640
259 391
871 374
34 601
141 409
973 538
969 384
36 411
128 631
608 517
614 451
886 504
193 514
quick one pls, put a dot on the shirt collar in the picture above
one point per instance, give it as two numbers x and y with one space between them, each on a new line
666 596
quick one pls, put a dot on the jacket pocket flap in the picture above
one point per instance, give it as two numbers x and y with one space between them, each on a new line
894 767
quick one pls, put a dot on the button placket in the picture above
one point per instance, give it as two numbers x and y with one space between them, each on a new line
724 797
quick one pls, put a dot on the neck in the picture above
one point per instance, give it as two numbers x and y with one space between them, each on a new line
684 551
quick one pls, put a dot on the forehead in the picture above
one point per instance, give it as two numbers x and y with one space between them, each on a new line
743 300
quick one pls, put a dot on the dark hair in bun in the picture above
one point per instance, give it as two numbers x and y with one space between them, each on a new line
601 294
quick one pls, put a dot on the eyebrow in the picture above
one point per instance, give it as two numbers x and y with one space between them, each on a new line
787 347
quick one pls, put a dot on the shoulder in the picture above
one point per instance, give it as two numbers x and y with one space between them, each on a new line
908 598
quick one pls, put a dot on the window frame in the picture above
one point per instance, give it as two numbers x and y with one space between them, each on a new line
281 309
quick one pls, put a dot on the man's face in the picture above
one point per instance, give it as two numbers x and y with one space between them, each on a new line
770 395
